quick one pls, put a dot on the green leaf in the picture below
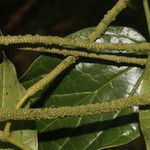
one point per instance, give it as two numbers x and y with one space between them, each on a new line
87 83
10 92
144 115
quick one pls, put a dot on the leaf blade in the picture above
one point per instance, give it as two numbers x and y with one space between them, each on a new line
144 114
10 92
88 83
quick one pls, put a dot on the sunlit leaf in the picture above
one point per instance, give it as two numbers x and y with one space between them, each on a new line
87 83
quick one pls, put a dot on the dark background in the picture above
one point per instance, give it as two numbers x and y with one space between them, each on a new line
62 17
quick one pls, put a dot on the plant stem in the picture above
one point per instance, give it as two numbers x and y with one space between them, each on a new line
17 143
7 129
90 46
65 52
147 14
13 141
108 18
75 111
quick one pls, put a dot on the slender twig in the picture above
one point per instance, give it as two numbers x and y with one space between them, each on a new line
13 141
108 18
114 58
19 144
68 111
54 40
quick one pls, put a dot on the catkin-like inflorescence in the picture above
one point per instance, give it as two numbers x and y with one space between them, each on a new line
52 75
90 46
108 18
114 58
68 111
46 80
